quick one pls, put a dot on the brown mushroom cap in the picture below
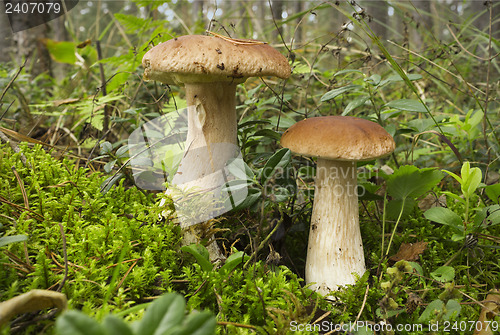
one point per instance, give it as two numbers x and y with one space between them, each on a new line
343 138
198 59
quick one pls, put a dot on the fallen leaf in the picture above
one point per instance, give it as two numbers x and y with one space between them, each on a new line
31 301
490 310
409 251
431 201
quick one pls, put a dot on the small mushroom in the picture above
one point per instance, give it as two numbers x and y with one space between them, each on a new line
335 248
210 68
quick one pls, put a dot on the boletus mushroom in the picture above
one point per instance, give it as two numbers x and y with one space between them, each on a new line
335 248
210 68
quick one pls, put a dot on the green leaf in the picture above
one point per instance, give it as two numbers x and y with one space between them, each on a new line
471 179
268 133
360 101
122 152
445 216
12 239
116 326
443 274
279 160
201 254
493 192
163 314
109 166
77 323
253 196
431 310
197 323
453 309
410 182
62 52
106 148
374 79
233 261
394 208
409 105
338 91
132 23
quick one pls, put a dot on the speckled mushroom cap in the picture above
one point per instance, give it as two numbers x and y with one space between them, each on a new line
343 138
198 59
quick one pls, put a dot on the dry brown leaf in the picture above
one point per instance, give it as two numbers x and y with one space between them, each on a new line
31 301
431 201
409 251
58 103
490 310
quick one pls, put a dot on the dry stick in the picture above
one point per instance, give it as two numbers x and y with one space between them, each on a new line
105 126
485 116
65 253
13 79
26 204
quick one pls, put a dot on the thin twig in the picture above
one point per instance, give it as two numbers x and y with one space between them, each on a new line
13 79
65 254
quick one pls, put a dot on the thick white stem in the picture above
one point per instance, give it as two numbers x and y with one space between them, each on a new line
211 142
212 130
335 248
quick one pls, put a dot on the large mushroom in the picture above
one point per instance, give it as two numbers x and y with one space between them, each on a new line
210 68
335 248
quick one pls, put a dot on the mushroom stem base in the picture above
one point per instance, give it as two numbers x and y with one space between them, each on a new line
335 249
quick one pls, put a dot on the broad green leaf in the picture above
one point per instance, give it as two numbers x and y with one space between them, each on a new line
268 133
201 254
106 148
493 192
374 79
410 76
122 152
410 182
407 105
77 323
394 208
253 196
453 309
233 261
116 326
197 323
163 314
443 274
431 310
279 160
445 216
471 178
338 91
12 239
62 52
109 166
487 217
417 267
360 101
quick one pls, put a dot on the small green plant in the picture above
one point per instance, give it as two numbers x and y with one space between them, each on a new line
469 181
166 315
